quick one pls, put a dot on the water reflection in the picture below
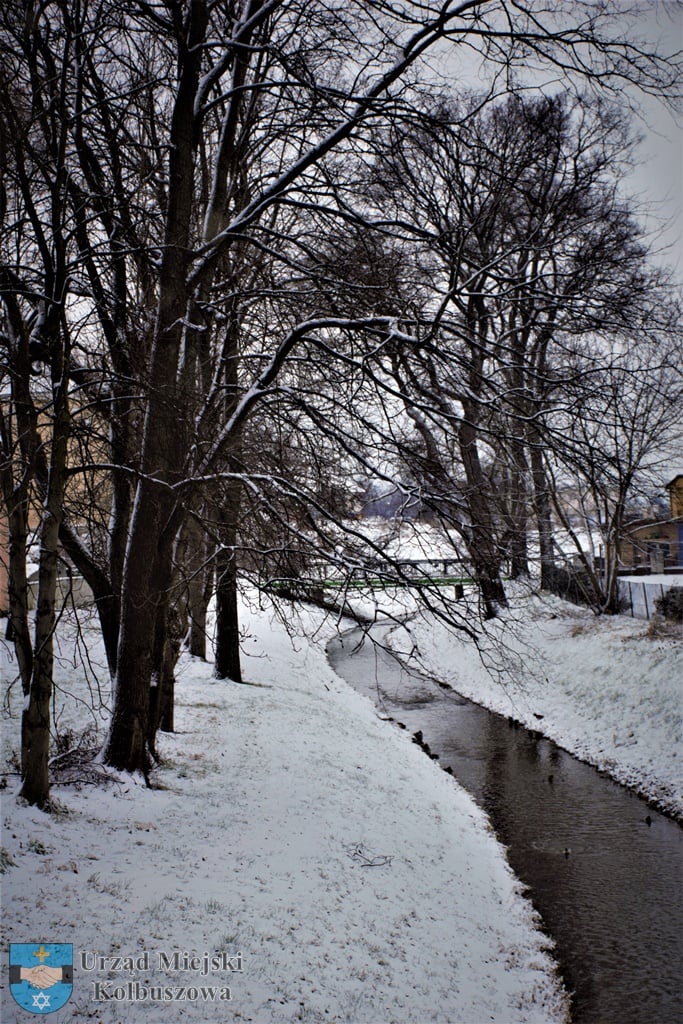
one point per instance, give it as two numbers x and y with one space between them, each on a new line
604 870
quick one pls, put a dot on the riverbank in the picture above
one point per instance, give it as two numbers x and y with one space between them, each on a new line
608 690
290 825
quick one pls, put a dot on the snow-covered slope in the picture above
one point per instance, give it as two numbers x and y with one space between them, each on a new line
609 690
360 884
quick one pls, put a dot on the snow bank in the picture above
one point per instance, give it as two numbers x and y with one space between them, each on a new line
360 884
607 689
641 593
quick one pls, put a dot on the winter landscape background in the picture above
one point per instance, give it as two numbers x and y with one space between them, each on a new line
320 315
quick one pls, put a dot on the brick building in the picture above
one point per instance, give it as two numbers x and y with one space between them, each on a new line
656 543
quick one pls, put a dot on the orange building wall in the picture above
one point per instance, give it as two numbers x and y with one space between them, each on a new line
675 489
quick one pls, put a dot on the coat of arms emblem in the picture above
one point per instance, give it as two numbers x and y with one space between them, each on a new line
41 975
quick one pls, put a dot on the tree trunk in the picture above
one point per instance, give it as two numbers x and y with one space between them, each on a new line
35 724
192 557
482 546
517 499
17 495
613 533
147 576
198 608
156 516
542 512
227 652
106 598
227 658
18 588
167 641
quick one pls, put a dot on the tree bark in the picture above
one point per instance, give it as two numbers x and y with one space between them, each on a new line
193 560
155 516
17 494
167 642
227 658
482 538
18 587
517 502
542 512
148 574
35 724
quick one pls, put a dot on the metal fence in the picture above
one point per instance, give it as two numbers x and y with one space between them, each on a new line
642 594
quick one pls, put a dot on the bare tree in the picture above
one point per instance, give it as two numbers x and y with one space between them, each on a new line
532 250
190 147
35 295
615 433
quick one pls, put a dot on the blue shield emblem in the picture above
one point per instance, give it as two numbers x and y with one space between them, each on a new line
41 975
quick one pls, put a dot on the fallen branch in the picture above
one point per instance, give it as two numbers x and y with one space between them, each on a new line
367 860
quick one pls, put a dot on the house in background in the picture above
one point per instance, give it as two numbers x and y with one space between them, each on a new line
675 489
656 544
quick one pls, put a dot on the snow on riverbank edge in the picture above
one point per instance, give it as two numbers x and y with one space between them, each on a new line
359 882
609 690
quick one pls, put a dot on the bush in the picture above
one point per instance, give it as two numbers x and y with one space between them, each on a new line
670 604
570 584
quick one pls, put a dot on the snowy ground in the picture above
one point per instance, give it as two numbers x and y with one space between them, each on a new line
358 882
609 690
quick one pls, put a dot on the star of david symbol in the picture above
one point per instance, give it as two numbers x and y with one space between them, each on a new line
40 975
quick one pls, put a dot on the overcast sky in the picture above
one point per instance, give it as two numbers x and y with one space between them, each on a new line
658 181
660 178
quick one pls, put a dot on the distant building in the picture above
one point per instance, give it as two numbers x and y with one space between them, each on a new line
675 489
656 543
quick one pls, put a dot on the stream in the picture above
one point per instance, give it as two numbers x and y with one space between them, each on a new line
604 870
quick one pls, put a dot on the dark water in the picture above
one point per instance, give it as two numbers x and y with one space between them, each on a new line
606 883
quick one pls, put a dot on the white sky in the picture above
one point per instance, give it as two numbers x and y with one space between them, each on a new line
659 180
657 183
